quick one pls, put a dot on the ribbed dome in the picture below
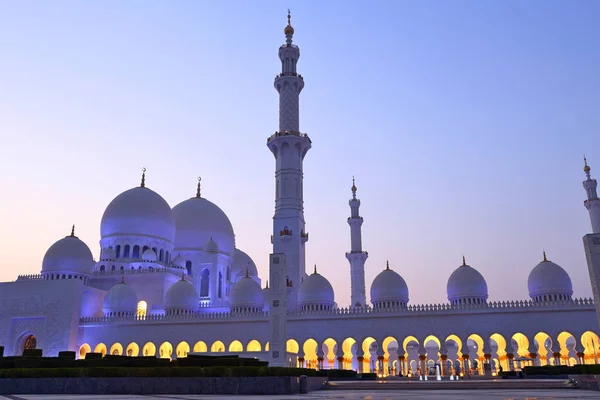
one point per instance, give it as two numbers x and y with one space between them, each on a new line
316 292
196 220
211 246
181 296
246 294
138 211
389 289
242 262
550 280
149 255
466 285
120 299
68 255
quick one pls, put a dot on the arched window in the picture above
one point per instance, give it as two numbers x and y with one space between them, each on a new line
126 251
136 251
228 273
161 255
155 250
204 282
142 307
167 257
118 251
30 343
113 268
144 249
188 266
220 288
102 268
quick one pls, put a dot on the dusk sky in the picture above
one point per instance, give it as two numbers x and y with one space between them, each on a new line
464 122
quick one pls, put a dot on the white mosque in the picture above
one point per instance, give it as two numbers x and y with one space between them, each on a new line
171 281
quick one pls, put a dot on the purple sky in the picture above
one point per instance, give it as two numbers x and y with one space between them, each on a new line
465 123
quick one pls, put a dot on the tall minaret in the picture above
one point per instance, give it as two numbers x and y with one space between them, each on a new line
592 203
356 256
289 147
591 242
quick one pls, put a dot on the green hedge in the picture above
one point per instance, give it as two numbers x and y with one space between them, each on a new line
555 370
152 372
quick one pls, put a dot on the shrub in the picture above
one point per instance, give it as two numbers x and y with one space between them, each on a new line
32 352
66 354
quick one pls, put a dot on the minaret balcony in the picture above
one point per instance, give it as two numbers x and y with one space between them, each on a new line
285 232
288 133
289 74
304 236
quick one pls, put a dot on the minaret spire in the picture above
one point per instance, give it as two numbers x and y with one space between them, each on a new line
592 203
289 30
198 187
357 257
73 231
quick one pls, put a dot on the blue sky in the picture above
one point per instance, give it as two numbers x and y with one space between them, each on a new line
465 123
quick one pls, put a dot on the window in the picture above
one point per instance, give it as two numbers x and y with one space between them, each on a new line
188 266
220 288
204 282
136 251
142 307
126 251
118 251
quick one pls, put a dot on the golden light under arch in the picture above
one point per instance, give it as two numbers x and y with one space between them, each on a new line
200 347
132 350
236 347
253 345
116 349
149 349
100 348
84 349
217 347
182 349
291 346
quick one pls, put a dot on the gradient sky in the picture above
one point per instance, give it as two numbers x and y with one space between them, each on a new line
465 123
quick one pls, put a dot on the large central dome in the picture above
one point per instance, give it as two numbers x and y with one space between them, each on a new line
197 220
138 211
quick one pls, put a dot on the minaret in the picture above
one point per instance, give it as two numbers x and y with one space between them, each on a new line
591 242
289 147
356 256
592 203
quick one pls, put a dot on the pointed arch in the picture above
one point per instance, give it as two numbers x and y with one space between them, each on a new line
236 347
100 348
200 347
149 349
291 346
253 345
182 349
132 350
217 347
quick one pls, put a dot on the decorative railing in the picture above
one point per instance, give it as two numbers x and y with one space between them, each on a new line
288 133
493 307
29 277
147 270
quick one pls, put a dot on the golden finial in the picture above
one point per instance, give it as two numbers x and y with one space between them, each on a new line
198 188
73 231
289 31
387 265
143 184
586 167
353 185
315 269
545 258
464 261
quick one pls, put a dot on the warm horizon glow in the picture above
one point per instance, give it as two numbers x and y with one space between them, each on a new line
465 124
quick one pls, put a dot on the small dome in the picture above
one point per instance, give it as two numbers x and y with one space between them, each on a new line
211 246
389 289
549 281
466 285
246 294
68 255
120 299
242 262
197 220
181 296
138 211
316 292
149 255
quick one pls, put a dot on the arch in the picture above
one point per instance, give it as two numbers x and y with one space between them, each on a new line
522 344
590 342
28 341
149 349
200 347
142 308
368 359
347 346
217 347
329 348
135 252
236 347
267 346
132 350
126 251
165 350
390 353
498 346
204 283
407 340
291 346
116 349
567 344
544 347
100 348
84 349
254 345
310 353
182 349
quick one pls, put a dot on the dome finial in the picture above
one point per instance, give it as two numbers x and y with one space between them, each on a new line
545 258
247 276
73 231
198 187
387 265
267 285
289 31
143 184
586 167
353 188
315 269
183 276
464 261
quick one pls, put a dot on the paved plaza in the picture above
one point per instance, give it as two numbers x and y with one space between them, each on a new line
554 394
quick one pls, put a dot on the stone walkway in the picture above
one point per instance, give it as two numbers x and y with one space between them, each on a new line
556 394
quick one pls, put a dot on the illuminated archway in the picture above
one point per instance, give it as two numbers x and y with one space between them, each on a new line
567 347
142 308
253 345
590 343
267 346
544 345
310 353
100 348
133 350
149 349
83 350
200 347
390 354
236 347
329 348
347 345
182 349
522 344
165 350
368 359
116 349
217 347
498 346
291 346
